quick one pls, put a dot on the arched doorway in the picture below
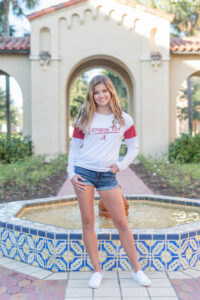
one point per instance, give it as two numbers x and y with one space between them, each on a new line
109 63
188 106
11 105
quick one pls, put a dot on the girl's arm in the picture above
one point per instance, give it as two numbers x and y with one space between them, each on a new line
75 144
131 140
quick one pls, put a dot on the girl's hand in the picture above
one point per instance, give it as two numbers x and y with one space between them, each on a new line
114 168
78 184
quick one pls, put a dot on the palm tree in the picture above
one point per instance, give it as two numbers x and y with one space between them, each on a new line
17 7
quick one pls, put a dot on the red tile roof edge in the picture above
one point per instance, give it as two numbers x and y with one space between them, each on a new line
144 8
53 8
12 44
183 45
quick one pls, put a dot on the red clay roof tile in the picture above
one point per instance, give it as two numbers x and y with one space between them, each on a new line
13 44
182 45
53 8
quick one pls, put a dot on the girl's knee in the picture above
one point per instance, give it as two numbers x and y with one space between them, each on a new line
122 225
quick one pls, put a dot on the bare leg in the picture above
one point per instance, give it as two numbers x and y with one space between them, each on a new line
86 205
113 201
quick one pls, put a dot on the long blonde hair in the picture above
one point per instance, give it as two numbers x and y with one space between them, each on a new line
85 116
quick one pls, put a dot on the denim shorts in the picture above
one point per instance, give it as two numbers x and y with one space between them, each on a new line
100 180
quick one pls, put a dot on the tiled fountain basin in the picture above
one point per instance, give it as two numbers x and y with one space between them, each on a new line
62 250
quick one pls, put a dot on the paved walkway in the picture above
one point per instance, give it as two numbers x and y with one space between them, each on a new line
129 181
19 281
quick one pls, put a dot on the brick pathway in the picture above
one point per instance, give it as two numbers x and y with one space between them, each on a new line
129 181
187 286
19 286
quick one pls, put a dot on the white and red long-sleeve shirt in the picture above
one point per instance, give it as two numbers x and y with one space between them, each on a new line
99 149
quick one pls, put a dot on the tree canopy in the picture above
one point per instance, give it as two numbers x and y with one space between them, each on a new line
77 95
18 8
13 110
183 109
187 14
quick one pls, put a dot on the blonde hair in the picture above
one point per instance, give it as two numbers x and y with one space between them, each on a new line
85 116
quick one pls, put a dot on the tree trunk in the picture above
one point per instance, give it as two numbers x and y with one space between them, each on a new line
8 105
6 24
189 94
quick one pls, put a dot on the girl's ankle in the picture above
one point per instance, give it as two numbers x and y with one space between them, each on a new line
137 269
97 270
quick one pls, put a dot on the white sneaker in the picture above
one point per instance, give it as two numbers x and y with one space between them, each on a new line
141 278
95 280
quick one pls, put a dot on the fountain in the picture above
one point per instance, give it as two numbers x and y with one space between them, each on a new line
60 249
103 210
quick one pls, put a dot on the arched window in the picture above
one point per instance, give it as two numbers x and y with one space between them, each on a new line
188 106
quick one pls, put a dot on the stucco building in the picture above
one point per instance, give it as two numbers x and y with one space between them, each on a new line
72 37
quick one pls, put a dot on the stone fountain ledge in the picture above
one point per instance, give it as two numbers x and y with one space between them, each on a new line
60 249
10 210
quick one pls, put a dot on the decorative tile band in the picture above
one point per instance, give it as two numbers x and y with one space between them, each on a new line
61 250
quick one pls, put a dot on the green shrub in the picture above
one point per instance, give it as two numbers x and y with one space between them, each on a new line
185 149
180 176
14 148
30 171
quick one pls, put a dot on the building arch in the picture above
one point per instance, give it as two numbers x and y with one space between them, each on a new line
182 103
100 61
12 103
181 68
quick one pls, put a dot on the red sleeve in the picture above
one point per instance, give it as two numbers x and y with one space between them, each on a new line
130 133
77 133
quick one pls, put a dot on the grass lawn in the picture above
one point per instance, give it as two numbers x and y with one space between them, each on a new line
33 177
169 178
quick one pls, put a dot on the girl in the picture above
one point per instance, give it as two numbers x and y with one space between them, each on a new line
93 162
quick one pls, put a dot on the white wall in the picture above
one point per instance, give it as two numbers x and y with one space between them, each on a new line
115 31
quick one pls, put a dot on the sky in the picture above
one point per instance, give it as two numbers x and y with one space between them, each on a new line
22 25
